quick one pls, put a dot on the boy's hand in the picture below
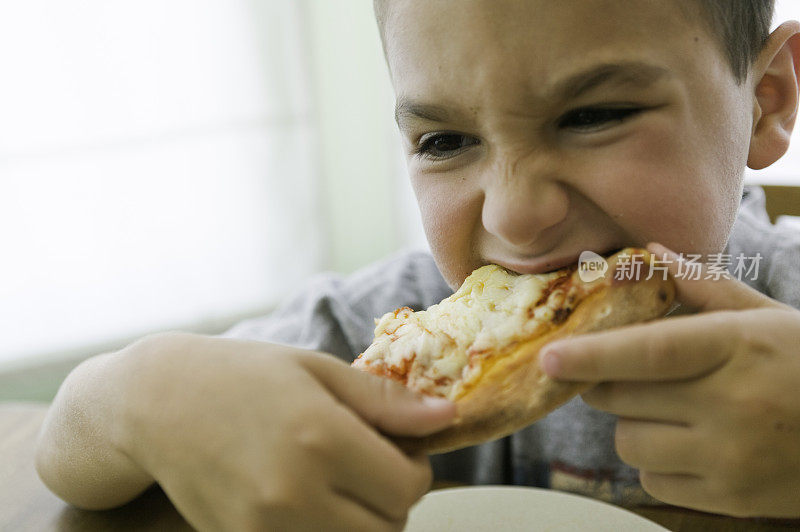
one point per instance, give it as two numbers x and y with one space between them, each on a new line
709 404
255 436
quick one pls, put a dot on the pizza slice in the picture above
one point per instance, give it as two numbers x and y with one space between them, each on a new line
479 347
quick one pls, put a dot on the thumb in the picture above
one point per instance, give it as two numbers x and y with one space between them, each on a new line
383 403
704 287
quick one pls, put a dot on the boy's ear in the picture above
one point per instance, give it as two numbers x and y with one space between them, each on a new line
776 95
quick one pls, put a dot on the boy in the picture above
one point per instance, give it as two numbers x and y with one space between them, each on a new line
534 130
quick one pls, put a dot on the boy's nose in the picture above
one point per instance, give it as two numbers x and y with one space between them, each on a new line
518 208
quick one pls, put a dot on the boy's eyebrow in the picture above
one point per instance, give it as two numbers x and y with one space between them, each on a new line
407 108
634 73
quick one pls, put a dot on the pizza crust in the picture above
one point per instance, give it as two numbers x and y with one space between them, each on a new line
514 392
511 391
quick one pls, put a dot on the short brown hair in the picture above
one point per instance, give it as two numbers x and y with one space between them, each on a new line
741 27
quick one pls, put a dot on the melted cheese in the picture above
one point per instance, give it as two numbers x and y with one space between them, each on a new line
438 350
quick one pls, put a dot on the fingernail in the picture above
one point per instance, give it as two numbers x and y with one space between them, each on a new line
550 361
435 402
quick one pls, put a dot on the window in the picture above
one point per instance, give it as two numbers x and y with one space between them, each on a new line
157 166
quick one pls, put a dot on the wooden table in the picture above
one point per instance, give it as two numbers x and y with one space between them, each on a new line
27 505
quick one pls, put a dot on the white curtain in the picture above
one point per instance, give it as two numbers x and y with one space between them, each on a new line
159 166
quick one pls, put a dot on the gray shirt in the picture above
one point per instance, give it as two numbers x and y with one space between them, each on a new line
572 449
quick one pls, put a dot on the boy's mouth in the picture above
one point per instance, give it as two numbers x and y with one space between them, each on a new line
548 263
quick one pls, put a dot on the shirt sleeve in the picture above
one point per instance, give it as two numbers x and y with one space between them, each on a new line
783 272
773 250
334 313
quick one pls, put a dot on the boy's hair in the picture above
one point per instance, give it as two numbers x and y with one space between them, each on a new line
741 27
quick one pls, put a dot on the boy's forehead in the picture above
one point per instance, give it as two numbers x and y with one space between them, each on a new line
539 45
503 18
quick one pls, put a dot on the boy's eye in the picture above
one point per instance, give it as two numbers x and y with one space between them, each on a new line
439 146
592 118
443 145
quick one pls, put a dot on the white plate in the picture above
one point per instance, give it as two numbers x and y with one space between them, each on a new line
510 508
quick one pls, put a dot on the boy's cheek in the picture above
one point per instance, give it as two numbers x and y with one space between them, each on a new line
449 222
662 184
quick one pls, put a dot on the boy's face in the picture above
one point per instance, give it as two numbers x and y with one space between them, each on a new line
549 128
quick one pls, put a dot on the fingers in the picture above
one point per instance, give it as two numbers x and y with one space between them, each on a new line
664 402
362 464
688 491
706 292
658 447
676 348
381 402
368 468
696 492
